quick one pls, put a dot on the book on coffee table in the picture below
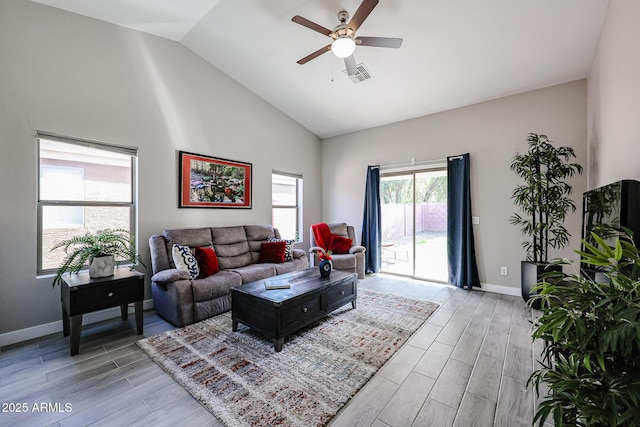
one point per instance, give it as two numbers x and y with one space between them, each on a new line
276 284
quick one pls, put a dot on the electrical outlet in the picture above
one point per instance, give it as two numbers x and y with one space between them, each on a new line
503 271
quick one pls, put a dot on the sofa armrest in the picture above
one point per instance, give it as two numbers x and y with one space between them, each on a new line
356 249
315 249
170 275
299 254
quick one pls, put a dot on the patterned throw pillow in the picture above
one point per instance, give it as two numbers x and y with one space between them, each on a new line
184 260
288 250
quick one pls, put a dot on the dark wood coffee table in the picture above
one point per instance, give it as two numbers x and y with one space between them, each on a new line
278 313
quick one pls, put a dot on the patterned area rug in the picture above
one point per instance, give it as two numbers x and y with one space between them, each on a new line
241 380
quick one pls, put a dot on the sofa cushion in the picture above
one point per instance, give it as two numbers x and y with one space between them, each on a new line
191 237
256 234
184 260
339 244
343 261
207 261
341 229
159 254
252 272
215 286
272 252
290 266
259 232
231 246
228 235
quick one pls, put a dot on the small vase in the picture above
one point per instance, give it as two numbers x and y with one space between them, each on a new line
101 266
325 268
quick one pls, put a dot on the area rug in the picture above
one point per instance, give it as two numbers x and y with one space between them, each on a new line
242 381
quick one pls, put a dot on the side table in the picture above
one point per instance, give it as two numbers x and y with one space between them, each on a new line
81 294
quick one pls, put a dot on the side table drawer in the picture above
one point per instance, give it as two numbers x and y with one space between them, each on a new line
105 296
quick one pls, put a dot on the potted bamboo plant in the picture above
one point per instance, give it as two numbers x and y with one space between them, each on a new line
591 333
101 250
544 201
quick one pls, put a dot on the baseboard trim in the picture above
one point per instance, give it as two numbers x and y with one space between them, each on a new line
56 327
501 289
27 334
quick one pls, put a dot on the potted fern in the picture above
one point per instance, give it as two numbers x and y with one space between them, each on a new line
544 199
101 250
591 333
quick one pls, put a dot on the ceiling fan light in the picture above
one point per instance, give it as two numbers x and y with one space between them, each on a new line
343 47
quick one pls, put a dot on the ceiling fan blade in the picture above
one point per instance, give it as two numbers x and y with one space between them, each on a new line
391 42
361 14
311 25
315 54
350 62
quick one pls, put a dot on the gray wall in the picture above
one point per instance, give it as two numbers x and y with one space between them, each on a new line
614 91
81 77
491 132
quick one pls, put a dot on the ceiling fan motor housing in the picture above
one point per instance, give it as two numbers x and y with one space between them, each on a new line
341 30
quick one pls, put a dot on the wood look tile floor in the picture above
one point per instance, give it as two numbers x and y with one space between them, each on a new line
466 366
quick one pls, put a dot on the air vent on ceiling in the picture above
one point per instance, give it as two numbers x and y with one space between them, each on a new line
362 74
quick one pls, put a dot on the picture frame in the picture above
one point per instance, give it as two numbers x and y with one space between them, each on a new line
213 182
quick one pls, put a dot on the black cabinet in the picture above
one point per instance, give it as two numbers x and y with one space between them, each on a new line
81 294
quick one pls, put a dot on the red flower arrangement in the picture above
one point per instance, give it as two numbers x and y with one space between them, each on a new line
325 255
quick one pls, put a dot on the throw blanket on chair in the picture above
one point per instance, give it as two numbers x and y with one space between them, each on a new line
322 235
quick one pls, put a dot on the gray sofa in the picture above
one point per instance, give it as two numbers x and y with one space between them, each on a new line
182 301
352 262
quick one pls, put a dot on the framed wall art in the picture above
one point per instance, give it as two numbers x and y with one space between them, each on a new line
211 182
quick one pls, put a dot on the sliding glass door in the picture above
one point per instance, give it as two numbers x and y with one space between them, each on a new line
414 224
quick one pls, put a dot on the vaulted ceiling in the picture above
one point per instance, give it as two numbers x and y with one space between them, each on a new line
455 52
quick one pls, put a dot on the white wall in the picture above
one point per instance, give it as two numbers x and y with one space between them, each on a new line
614 93
81 77
491 132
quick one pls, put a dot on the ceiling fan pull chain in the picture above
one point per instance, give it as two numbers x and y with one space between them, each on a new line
332 69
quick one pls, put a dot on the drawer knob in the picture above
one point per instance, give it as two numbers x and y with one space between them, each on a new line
304 309
341 292
110 294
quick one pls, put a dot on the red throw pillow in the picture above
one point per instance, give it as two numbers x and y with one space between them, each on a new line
272 252
339 244
207 261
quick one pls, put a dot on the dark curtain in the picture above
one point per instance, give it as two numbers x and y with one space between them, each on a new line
371 221
461 253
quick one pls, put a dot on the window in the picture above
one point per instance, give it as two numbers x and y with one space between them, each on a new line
286 201
83 186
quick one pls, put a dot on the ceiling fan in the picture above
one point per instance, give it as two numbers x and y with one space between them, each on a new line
344 36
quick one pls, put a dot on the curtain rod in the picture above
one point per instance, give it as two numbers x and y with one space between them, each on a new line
412 163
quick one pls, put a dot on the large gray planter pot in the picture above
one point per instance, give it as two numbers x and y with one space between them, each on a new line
530 275
102 267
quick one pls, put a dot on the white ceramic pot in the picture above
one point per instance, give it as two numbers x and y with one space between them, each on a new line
102 267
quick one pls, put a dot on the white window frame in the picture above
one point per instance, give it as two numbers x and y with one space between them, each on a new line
42 203
298 204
